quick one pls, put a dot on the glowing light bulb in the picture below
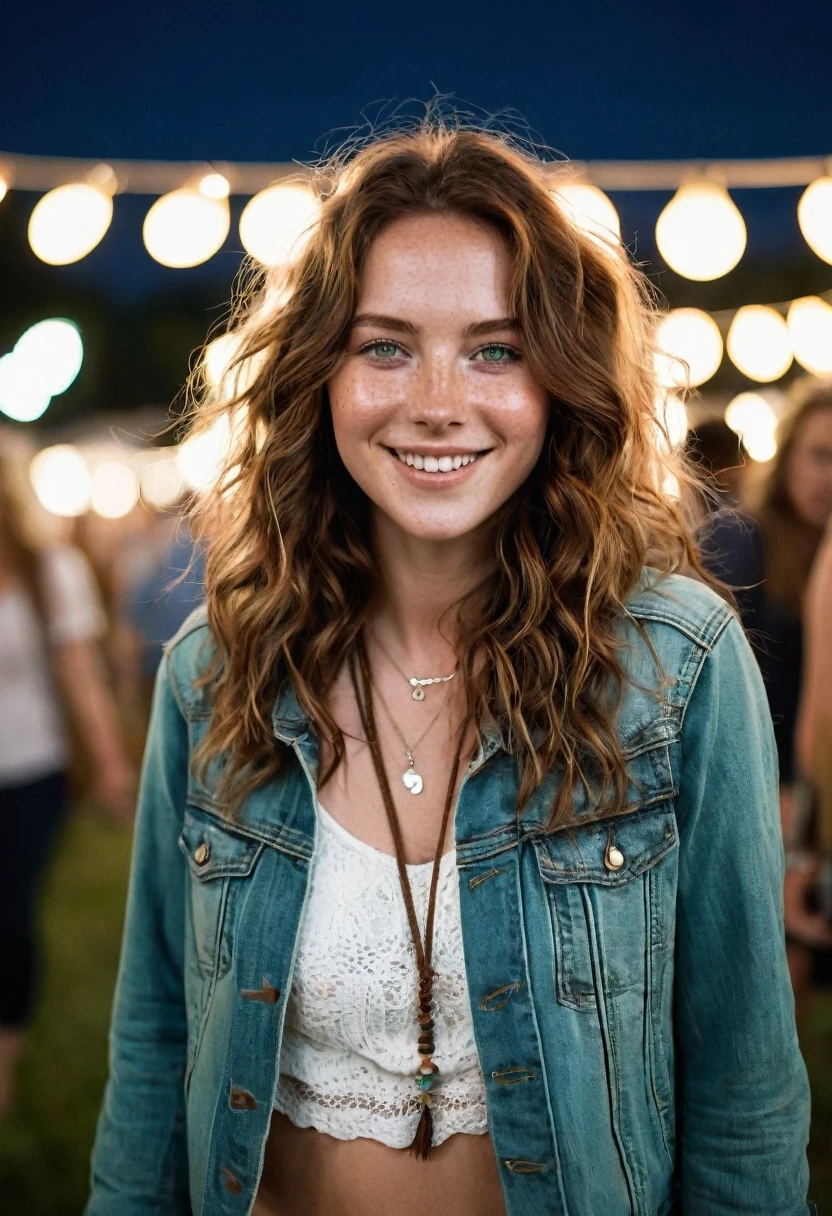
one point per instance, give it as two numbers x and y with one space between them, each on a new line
161 483
61 480
753 419
692 335
814 214
114 489
185 228
53 352
68 222
809 323
277 223
672 417
214 185
758 343
700 233
21 398
590 209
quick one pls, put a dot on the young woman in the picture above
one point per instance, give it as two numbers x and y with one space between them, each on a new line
771 554
52 684
457 876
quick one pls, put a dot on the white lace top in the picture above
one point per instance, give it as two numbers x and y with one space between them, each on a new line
349 1054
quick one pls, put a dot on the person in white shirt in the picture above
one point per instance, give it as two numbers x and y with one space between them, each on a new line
53 689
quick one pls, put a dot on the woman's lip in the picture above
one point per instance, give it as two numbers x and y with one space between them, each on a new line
420 477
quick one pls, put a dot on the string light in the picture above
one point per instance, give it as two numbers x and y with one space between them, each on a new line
186 227
61 480
700 233
277 222
68 222
751 417
814 214
590 209
114 489
758 343
693 336
809 323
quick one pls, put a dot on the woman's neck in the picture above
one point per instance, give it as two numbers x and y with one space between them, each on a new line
420 581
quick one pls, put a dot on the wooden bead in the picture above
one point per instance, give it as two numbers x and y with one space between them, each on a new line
425 1021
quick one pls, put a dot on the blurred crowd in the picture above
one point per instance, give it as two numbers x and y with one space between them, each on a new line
85 606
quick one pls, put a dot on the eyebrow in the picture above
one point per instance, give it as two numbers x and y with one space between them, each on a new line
380 321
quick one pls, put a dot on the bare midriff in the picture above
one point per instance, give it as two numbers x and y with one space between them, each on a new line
308 1173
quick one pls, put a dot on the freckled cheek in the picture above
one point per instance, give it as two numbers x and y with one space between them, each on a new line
358 407
519 418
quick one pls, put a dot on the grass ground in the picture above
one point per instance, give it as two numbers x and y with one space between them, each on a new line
45 1145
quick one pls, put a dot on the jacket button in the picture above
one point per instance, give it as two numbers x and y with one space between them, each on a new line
202 853
613 858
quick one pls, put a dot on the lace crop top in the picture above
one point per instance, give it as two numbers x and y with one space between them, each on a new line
349 1043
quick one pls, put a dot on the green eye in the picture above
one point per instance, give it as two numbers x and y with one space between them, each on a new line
497 354
383 350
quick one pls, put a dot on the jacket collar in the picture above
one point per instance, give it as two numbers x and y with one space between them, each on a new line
290 723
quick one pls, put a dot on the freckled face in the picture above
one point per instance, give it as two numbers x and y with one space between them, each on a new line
436 414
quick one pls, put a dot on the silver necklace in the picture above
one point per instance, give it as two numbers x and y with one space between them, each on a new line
410 778
418 685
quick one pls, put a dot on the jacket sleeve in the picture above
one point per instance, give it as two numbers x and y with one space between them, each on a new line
743 1090
139 1163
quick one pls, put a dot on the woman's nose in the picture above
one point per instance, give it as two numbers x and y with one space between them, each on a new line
438 398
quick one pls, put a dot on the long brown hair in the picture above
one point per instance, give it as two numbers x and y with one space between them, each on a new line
791 542
289 567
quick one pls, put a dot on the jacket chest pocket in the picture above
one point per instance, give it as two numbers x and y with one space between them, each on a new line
607 915
219 861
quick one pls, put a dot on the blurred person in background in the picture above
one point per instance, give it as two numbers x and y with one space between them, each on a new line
160 577
770 558
721 458
53 695
811 860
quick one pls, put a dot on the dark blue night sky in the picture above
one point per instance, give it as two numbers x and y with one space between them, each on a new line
265 82
277 81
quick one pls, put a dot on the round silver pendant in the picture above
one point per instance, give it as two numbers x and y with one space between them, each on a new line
418 693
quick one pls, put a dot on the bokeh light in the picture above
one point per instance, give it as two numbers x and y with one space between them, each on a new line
700 233
758 343
53 352
814 214
61 480
160 484
218 356
692 335
590 209
115 489
21 397
672 416
186 227
200 457
277 223
751 417
68 222
809 323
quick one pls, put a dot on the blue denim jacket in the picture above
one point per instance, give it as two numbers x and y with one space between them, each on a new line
635 1026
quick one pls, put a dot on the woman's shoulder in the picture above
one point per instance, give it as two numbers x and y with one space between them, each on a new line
188 654
684 604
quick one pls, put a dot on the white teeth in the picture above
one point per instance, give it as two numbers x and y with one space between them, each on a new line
435 464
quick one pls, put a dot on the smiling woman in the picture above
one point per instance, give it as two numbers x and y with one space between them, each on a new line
458 829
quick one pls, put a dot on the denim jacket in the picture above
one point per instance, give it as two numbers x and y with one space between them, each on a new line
634 1022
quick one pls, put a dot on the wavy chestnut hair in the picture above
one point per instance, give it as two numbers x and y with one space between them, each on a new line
290 571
